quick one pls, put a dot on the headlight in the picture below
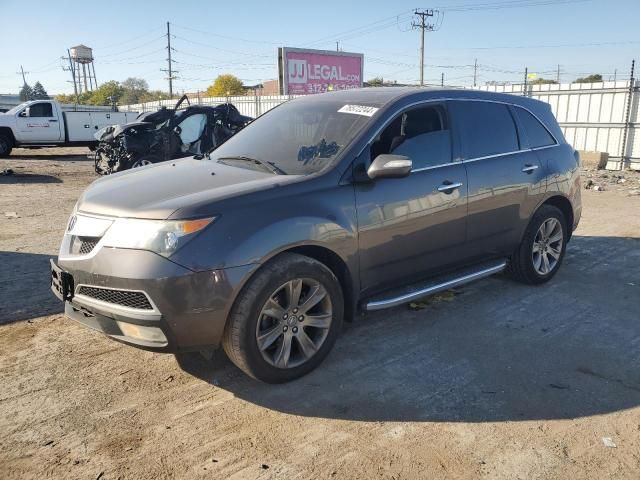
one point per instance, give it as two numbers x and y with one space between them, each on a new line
160 236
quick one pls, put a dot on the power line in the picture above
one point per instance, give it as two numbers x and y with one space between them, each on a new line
506 4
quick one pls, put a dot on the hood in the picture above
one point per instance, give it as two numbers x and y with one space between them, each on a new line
158 191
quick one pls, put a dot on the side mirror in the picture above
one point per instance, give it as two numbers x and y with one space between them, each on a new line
389 166
25 112
177 130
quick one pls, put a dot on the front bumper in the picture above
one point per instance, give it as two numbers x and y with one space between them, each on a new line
186 310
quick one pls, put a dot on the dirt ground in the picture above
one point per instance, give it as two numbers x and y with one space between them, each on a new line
498 380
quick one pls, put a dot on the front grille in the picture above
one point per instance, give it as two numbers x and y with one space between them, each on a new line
83 245
86 247
124 298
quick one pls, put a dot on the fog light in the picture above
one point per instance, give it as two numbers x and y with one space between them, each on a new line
148 334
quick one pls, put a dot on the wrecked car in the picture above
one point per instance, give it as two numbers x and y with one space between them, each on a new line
166 134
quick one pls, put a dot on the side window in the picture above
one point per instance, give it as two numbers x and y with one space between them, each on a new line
486 128
535 132
422 134
41 110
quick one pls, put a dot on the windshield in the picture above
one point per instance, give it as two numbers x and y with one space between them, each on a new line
17 108
300 137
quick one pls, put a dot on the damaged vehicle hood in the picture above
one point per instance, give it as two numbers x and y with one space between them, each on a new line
160 191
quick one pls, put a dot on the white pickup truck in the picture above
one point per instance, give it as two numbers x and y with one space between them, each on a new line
40 123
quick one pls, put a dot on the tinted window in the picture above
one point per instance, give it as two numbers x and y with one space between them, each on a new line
41 110
535 132
486 128
422 134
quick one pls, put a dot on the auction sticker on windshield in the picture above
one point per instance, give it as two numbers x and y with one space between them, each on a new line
359 110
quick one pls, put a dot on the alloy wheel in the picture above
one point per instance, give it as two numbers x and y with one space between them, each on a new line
141 163
547 246
294 323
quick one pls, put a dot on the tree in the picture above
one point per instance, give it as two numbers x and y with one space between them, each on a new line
376 82
594 78
39 93
543 81
134 90
26 93
225 85
106 94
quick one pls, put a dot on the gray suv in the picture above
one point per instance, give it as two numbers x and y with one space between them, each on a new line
326 205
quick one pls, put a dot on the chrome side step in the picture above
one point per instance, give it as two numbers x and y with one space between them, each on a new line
435 285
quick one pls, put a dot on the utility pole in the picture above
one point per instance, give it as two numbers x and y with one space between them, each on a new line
71 68
169 70
422 25
442 79
526 77
24 79
337 46
558 75
627 116
475 73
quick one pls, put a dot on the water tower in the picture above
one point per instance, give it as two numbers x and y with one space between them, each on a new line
82 56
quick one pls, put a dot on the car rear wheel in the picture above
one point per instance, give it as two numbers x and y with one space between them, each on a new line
6 145
285 320
542 248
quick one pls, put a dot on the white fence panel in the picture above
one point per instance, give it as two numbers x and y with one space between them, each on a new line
591 115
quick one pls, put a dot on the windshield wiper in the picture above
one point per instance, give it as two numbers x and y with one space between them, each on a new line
272 167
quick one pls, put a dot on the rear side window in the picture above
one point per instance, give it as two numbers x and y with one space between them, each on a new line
486 128
535 132
41 110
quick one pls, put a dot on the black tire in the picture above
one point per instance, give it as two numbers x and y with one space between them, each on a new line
240 336
6 145
521 265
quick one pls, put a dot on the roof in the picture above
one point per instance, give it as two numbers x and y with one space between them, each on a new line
384 95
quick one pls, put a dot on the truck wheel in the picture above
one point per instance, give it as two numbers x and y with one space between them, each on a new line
542 248
285 320
6 145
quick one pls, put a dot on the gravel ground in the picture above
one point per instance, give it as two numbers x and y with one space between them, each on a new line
496 380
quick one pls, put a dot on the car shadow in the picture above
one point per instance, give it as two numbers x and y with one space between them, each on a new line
24 287
17 177
494 351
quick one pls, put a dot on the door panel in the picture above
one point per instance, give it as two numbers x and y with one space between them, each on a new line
407 228
41 126
501 200
506 180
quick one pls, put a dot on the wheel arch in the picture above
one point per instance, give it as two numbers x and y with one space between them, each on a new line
338 266
564 205
327 257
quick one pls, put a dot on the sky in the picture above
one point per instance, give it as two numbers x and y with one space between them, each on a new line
209 38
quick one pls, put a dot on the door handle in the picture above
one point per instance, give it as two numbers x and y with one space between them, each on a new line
529 168
448 187
53 120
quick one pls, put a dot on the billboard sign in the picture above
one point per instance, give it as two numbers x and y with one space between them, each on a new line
302 71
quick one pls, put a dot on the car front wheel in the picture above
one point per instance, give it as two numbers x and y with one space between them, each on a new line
542 248
286 319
